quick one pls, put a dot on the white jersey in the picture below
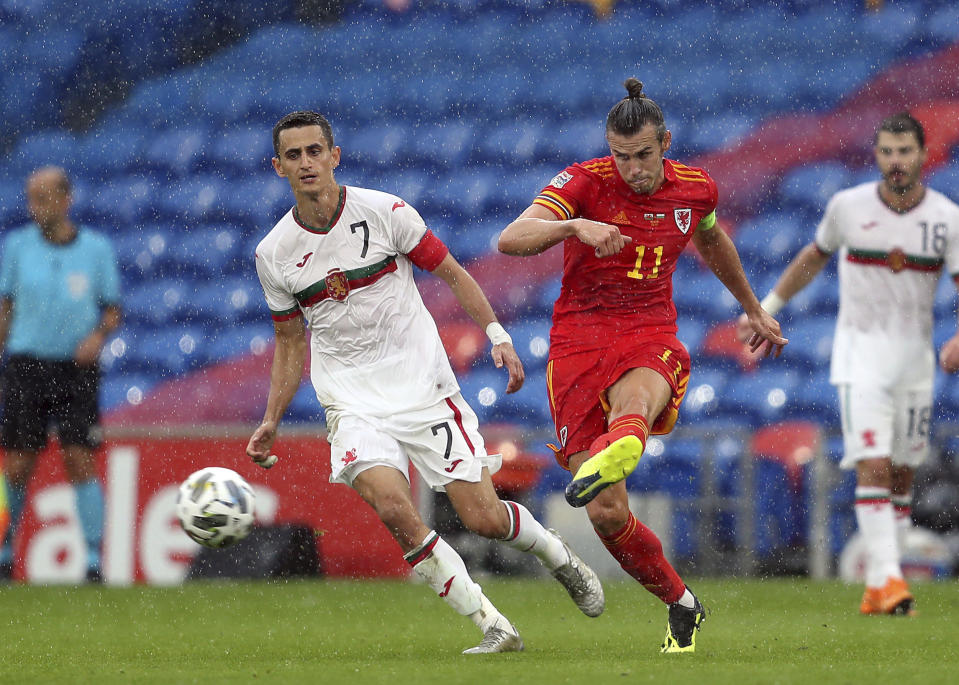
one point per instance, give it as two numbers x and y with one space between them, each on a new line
375 349
889 269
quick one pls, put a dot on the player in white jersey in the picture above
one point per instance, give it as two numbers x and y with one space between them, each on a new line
894 238
340 263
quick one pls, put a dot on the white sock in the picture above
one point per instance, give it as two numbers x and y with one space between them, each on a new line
528 535
687 600
488 616
444 571
877 524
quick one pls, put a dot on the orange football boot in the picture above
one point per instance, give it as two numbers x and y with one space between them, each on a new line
892 598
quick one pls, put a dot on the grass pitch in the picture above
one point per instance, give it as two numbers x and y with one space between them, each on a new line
757 631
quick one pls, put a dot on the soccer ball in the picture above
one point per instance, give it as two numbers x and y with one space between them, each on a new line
215 507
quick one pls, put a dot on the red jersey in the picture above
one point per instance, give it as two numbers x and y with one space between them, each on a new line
630 293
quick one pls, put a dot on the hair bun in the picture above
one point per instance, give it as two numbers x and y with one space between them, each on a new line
634 88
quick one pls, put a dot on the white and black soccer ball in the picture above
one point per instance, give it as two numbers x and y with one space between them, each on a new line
215 507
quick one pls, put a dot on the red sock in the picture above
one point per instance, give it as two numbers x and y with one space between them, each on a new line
640 553
630 424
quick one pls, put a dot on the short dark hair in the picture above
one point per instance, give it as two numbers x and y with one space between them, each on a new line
635 111
299 119
903 122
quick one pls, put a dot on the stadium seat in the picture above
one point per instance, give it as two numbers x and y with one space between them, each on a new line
781 453
158 302
761 397
209 252
176 152
122 202
125 389
227 342
808 188
226 300
165 352
531 340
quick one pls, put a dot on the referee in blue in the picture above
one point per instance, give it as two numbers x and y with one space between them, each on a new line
59 294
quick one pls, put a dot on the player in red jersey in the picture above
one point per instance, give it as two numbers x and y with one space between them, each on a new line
616 370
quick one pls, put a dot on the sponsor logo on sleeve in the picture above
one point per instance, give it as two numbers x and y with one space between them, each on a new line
561 179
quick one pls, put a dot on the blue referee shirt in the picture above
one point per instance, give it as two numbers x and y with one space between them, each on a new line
58 291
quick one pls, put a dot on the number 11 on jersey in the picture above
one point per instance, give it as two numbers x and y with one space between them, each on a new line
640 253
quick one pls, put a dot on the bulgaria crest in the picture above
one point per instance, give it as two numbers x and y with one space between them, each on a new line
683 217
337 285
896 260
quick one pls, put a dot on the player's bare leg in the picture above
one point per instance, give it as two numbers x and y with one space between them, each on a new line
635 400
481 510
388 492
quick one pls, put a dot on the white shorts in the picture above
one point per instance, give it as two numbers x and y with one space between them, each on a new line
877 422
443 443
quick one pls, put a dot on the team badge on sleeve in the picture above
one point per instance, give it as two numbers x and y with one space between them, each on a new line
561 179
684 218
337 285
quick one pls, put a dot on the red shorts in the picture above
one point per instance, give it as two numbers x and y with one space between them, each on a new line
577 386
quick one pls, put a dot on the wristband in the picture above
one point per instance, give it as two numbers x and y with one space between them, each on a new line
497 334
772 303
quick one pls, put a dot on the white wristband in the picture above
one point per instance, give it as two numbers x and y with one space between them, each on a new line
772 303
497 334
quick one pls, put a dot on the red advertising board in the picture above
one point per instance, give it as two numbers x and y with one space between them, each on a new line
143 542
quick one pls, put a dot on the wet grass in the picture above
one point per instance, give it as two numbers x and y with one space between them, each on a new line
774 631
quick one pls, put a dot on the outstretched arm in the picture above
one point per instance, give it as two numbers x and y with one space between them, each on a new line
289 356
537 229
474 302
720 255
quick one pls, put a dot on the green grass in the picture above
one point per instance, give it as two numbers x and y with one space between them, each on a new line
774 631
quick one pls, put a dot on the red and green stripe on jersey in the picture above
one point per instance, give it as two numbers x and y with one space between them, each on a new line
321 290
895 260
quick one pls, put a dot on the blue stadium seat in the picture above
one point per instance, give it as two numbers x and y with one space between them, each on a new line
125 390
471 239
809 187
485 390
225 301
168 351
158 302
818 401
772 239
810 341
256 202
376 147
705 393
943 23
946 180
761 397
209 252
13 204
531 340
176 151
238 340
121 201
241 150
144 254
196 198
511 143
441 146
